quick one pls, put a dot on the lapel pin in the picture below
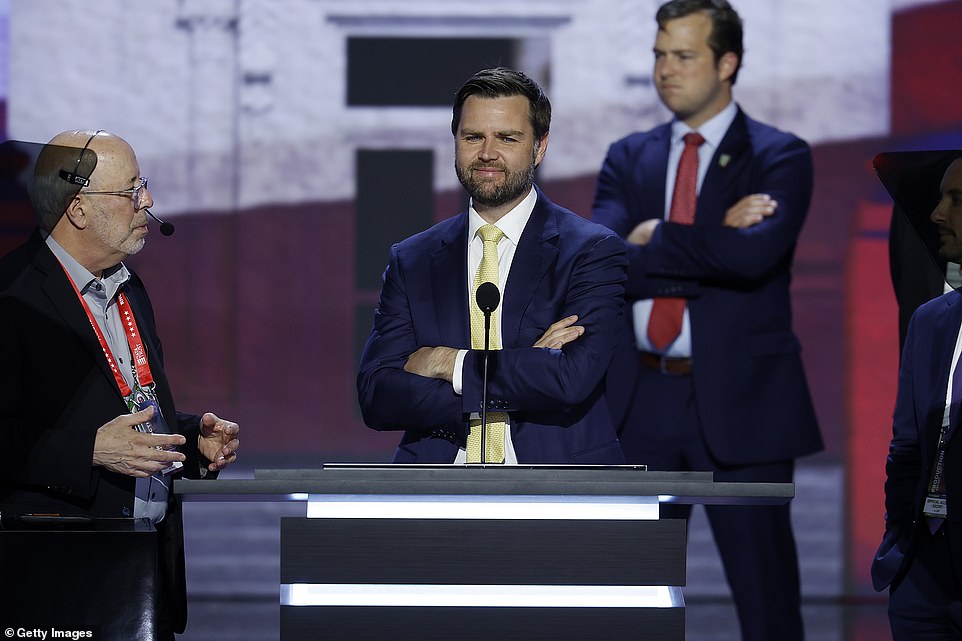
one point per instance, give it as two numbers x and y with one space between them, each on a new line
723 160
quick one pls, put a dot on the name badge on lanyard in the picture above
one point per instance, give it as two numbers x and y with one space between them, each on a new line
143 395
936 505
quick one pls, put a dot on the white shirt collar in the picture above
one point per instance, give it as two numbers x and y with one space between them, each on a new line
113 278
713 129
512 223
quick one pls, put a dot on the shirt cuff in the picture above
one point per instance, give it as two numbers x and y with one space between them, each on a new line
456 379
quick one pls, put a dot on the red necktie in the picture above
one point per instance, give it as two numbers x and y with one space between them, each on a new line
664 325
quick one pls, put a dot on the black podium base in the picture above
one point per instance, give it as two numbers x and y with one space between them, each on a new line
480 624
79 575
481 579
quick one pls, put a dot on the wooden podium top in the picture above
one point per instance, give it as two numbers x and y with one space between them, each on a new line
491 480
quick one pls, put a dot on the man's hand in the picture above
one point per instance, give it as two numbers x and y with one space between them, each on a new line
750 210
641 234
433 362
560 333
122 449
218 441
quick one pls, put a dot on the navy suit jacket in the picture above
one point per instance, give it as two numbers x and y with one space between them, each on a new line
56 390
919 406
752 396
555 398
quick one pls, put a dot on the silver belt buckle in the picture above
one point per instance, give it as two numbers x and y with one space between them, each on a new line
663 365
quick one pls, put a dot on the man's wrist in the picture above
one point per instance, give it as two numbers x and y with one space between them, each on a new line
445 363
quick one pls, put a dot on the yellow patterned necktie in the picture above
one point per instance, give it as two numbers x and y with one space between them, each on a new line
487 273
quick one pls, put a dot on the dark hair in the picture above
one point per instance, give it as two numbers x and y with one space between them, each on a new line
502 82
50 193
726 32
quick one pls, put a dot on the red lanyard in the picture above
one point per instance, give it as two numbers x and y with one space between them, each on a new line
134 341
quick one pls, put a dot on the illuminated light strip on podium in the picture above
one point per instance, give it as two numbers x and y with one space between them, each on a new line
358 506
363 561
498 596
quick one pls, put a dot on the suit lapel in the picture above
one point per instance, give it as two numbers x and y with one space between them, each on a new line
61 297
135 295
652 171
450 293
729 160
151 341
945 333
537 251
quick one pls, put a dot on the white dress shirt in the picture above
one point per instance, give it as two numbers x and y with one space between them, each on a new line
713 130
512 225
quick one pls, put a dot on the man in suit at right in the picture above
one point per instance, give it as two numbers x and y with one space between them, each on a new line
919 273
709 375
920 557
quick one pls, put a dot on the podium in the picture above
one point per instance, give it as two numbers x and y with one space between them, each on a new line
407 552
81 574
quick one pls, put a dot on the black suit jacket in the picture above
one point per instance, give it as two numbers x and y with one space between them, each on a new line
56 390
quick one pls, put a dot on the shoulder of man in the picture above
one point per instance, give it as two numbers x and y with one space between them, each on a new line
946 303
638 139
26 266
575 228
15 263
765 136
435 236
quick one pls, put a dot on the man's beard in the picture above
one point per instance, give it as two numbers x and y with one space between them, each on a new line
951 252
494 194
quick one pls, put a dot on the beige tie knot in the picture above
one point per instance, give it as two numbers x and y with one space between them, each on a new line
490 233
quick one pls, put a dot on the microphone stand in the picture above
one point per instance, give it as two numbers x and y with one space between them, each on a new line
487 298
484 384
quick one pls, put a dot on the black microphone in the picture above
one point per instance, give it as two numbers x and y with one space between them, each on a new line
167 229
488 298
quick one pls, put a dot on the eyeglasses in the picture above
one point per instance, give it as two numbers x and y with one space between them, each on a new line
138 193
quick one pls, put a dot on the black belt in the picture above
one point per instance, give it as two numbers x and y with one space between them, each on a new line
666 364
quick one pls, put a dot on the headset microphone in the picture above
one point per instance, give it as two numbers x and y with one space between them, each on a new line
167 229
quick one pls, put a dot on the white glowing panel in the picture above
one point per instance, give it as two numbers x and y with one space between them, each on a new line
485 596
361 506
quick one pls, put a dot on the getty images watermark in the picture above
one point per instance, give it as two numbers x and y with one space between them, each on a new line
51 633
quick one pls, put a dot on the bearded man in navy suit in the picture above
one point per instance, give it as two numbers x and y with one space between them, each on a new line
709 374
920 557
557 325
